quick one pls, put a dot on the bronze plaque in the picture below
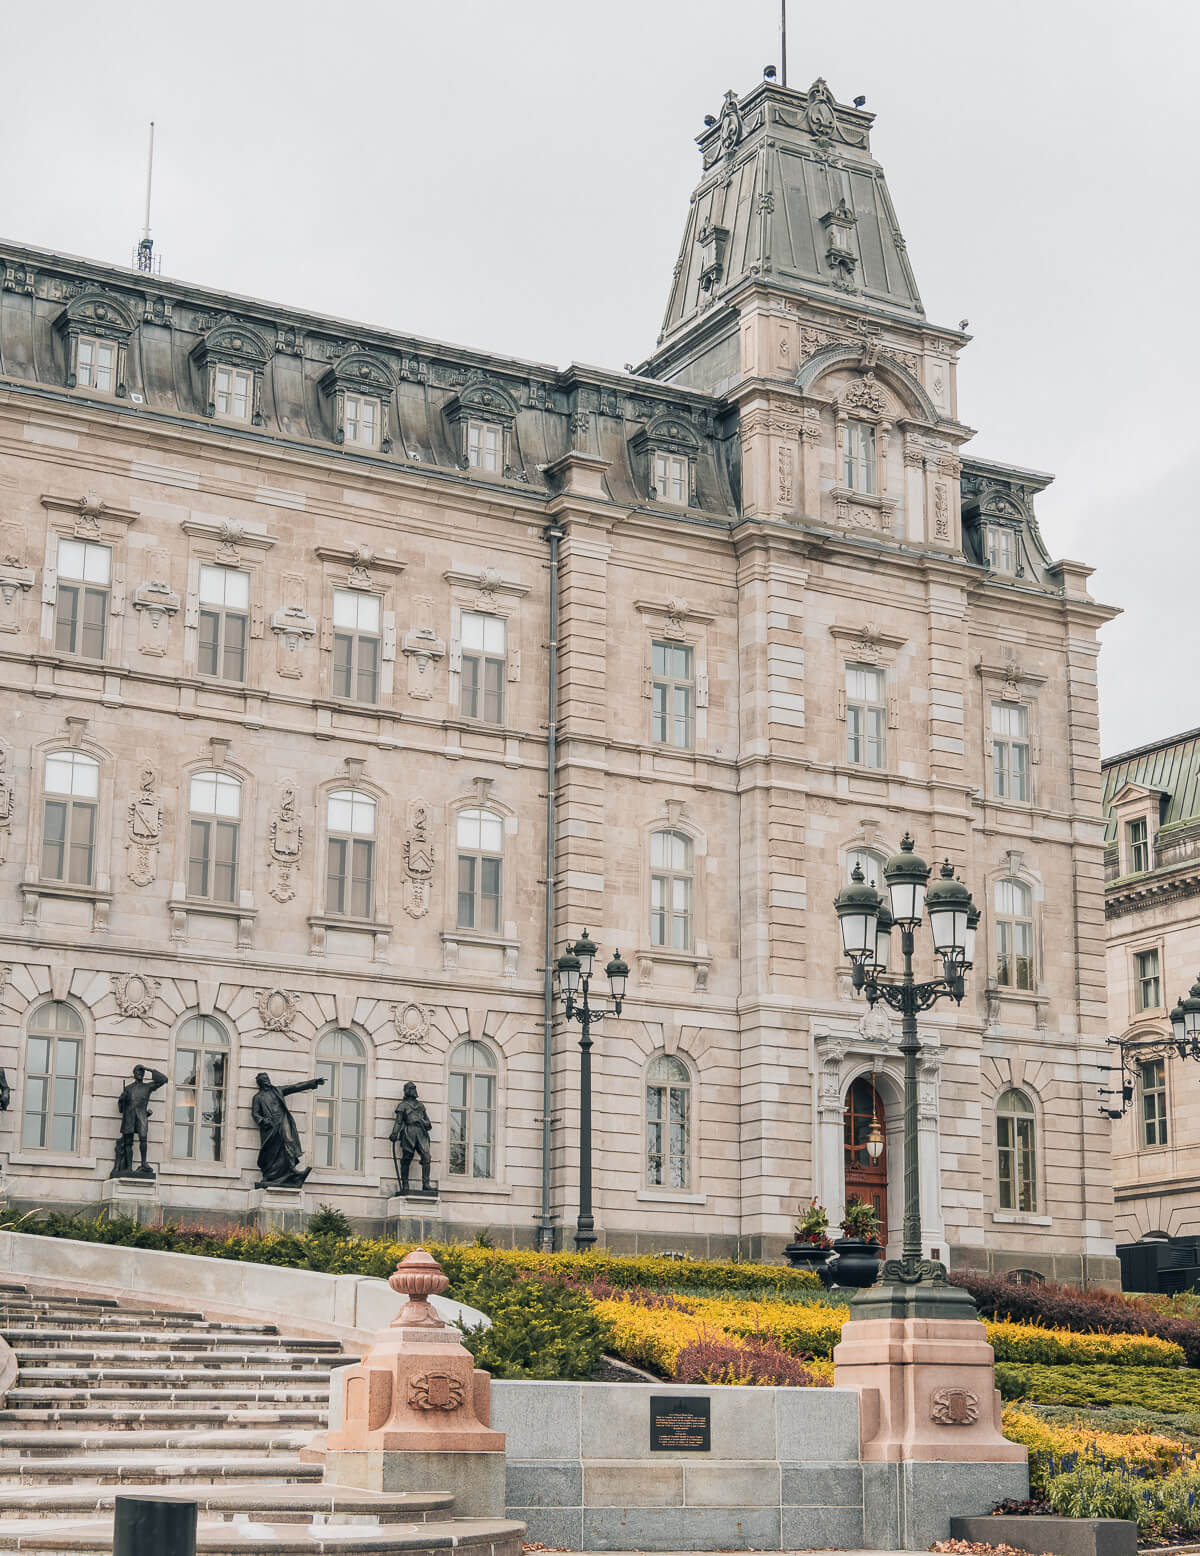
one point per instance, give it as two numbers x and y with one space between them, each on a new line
680 1423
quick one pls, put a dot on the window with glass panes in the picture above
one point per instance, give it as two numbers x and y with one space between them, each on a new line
671 478
214 824
357 644
224 596
339 1108
1147 980
485 445
480 846
53 1074
1001 549
472 1114
81 598
235 393
668 1123
1016 1162
201 1082
360 421
1014 935
1010 751
859 463
866 716
673 695
672 884
350 854
1137 837
1152 1082
95 363
484 667
71 792
870 863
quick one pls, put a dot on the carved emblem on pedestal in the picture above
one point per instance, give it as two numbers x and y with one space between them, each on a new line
419 856
143 822
954 1407
435 1391
134 994
285 842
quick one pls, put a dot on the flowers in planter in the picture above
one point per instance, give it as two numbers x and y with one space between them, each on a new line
813 1226
860 1220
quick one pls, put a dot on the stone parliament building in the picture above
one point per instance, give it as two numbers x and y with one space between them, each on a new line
282 737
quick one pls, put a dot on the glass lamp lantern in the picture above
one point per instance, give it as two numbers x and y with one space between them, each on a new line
883 938
973 918
1179 1026
567 967
857 908
585 949
618 975
948 903
875 1142
906 874
1191 1013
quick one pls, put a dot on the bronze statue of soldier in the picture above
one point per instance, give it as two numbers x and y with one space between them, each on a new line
410 1137
134 1107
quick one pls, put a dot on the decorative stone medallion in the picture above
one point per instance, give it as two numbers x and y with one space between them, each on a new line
954 1407
435 1391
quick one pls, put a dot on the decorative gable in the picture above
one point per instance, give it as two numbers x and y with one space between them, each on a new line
99 314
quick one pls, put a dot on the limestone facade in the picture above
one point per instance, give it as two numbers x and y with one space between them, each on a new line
795 618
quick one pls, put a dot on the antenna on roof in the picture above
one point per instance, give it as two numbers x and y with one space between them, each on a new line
783 42
144 258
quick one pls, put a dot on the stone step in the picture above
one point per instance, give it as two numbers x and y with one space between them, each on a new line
177 1373
45 1335
278 1501
69 1444
184 1416
222 1356
151 1469
470 1537
69 1395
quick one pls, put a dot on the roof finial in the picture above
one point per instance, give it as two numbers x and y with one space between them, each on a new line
145 248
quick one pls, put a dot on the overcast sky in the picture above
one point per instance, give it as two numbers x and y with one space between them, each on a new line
516 176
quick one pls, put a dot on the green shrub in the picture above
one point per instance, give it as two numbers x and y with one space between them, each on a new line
1171 1390
540 1328
1092 1491
329 1222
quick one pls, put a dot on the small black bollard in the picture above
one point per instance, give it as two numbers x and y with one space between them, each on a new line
144 1526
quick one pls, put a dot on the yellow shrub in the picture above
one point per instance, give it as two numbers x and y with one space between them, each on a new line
650 1337
1015 1342
1060 1441
803 1330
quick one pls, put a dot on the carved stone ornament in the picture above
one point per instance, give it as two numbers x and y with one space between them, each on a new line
134 993
875 1027
941 513
143 825
435 1391
293 627
419 858
730 126
277 1008
155 603
412 1022
954 1407
864 394
285 843
422 648
677 613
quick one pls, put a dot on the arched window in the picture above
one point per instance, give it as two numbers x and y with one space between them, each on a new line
472 1111
1016 1164
480 843
1014 935
668 1123
214 825
72 792
339 1112
201 1079
871 862
672 890
350 854
53 1074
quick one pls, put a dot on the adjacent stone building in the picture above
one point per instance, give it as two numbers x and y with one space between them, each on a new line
290 608
1152 871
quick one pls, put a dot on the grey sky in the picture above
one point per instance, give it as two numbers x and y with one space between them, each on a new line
516 176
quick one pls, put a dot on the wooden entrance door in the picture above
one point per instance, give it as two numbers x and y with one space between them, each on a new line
865 1179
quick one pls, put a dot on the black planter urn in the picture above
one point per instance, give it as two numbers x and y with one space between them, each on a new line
854 1263
805 1256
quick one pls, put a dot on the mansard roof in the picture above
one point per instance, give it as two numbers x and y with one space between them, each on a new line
1171 767
790 195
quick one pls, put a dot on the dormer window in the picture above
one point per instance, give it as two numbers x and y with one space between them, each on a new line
359 387
671 478
362 421
1137 846
95 327
860 457
231 359
96 364
485 446
234 393
664 460
1001 549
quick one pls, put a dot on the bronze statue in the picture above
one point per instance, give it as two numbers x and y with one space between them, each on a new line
279 1150
410 1137
134 1107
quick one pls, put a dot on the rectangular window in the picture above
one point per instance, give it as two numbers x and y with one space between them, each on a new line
671 478
95 363
1001 549
224 623
235 393
1147 982
360 422
213 860
479 911
1018 1187
81 604
69 842
859 465
1010 752
866 716
1152 1078
485 443
673 694
350 878
357 646
1137 836
484 667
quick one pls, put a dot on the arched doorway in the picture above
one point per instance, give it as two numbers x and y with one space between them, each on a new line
866 1179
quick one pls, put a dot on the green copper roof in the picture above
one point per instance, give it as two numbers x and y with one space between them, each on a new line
1172 766
791 194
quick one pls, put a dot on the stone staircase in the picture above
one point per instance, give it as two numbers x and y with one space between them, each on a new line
113 1398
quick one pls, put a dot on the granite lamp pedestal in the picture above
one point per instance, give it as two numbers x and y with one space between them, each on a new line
413 1415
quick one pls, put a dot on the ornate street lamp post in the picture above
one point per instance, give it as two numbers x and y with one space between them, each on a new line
574 970
911 1286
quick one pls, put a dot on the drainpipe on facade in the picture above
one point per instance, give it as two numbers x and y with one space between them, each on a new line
553 534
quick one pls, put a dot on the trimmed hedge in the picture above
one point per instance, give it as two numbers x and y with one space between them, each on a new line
1031 1343
1066 1307
1166 1389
